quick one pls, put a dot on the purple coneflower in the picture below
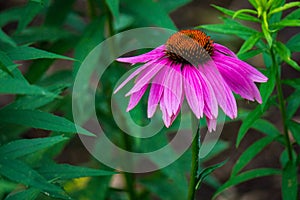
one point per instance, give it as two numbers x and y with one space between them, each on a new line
190 64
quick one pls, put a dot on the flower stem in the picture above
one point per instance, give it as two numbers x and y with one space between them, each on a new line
281 101
195 159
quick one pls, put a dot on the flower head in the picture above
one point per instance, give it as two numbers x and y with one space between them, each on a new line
191 65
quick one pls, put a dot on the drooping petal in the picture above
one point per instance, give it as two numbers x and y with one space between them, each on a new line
224 50
193 90
173 89
240 65
168 119
211 124
222 91
134 74
156 91
147 75
155 54
136 97
239 82
210 100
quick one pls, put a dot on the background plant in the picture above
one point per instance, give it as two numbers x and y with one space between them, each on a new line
42 44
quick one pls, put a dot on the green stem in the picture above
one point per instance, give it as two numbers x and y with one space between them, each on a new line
195 159
281 101
129 178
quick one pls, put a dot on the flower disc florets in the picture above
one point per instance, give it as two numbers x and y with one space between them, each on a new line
189 46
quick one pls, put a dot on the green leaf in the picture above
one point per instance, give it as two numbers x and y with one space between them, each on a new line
266 89
21 173
41 33
171 5
285 23
29 53
42 120
6 39
6 63
231 13
113 5
17 86
250 153
254 3
30 11
149 13
29 194
295 129
289 184
295 83
285 7
230 27
285 54
293 104
294 43
265 30
249 43
207 171
65 171
266 127
249 54
294 15
10 15
247 123
245 176
23 147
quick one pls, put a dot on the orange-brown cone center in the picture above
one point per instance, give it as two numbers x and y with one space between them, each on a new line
189 46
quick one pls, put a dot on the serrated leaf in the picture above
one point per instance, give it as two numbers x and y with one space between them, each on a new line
249 43
207 171
65 171
250 153
29 194
247 123
231 13
17 86
245 176
23 147
113 5
295 129
285 55
294 43
42 120
289 184
30 53
20 172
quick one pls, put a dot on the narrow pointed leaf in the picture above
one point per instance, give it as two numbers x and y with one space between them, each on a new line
289 184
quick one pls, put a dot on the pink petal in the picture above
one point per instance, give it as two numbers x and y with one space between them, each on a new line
223 50
239 82
155 54
147 75
193 90
131 76
240 65
135 98
173 89
168 119
156 91
211 124
222 91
